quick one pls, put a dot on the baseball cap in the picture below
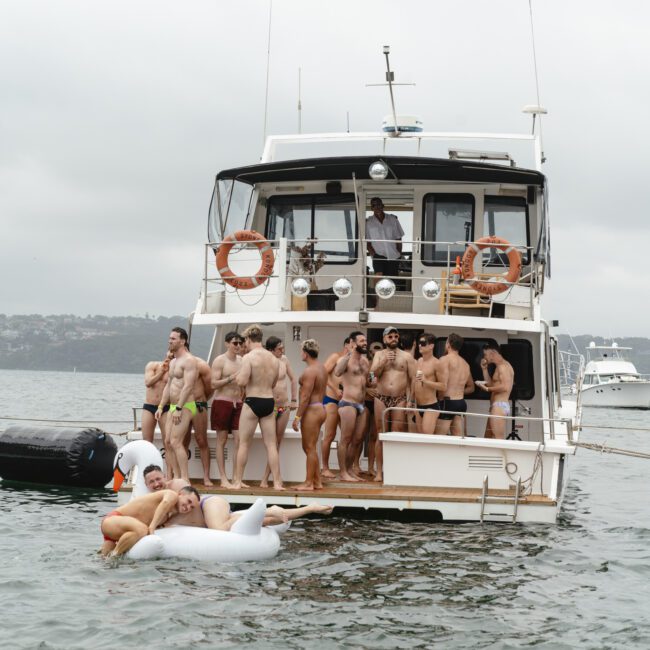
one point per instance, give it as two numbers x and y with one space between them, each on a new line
390 329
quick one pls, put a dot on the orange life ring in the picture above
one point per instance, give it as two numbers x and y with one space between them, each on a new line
263 273
514 268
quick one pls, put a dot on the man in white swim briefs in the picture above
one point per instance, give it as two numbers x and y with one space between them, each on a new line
499 386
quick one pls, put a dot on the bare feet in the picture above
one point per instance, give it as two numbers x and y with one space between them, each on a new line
236 485
348 478
305 487
278 486
207 482
379 478
327 473
225 483
264 484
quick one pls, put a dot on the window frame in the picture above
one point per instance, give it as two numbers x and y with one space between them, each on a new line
451 196
512 200
317 199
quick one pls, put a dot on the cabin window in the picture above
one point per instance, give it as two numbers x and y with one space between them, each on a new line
447 222
506 217
330 220
229 208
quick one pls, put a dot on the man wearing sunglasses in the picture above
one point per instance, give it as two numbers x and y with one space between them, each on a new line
426 385
227 403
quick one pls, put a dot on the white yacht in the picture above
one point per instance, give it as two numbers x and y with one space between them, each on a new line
457 196
612 380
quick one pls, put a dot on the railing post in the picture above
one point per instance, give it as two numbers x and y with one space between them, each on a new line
281 263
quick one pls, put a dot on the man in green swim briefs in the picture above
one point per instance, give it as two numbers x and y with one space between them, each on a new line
179 393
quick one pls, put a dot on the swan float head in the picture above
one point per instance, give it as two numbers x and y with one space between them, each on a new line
140 453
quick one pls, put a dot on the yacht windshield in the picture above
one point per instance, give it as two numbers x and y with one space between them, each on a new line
229 208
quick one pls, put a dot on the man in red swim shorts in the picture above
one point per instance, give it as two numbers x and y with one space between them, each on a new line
227 403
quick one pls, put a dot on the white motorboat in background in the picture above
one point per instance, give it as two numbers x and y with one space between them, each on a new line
612 380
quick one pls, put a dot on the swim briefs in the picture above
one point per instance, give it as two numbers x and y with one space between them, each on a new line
358 407
446 404
261 406
114 513
190 406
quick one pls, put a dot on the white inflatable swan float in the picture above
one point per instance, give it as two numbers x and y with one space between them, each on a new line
246 540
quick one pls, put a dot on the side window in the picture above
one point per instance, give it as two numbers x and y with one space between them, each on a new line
330 220
447 218
506 217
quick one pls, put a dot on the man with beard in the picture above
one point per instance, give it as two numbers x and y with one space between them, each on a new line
353 369
179 392
155 379
395 372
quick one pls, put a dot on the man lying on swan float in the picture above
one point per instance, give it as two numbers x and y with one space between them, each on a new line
136 528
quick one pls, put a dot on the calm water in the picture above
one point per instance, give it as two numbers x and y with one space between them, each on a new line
336 582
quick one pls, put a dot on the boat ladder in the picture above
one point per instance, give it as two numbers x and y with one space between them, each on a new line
486 497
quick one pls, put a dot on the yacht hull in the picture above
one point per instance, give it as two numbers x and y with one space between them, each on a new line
632 395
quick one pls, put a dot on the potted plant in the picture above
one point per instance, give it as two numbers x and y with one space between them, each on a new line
303 264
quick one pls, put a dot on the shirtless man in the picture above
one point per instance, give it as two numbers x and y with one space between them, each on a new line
394 371
311 413
499 386
456 377
283 406
426 385
124 526
202 393
179 393
352 368
155 378
331 402
227 403
258 376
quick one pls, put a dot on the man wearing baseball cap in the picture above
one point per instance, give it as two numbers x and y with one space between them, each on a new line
394 370
384 237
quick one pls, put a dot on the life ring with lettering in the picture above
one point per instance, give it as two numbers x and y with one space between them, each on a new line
263 273
514 267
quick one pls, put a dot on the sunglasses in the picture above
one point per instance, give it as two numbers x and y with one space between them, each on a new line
422 343
237 342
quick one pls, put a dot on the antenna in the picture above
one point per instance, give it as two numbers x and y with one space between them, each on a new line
268 65
299 105
540 111
390 79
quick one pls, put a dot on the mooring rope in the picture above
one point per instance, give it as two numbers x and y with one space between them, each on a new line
604 449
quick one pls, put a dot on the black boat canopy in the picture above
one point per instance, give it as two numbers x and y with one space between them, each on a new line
402 168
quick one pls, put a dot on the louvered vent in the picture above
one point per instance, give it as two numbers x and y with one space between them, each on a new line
485 462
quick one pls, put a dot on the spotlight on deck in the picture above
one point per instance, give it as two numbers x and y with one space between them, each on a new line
378 170
300 287
385 288
342 288
431 290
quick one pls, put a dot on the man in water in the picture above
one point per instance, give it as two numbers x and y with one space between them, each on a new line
310 415
456 378
155 379
155 480
331 402
499 386
227 402
125 525
426 384
179 392
395 371
257 376
216 510
352 368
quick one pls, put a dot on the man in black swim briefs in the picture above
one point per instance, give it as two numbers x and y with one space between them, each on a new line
259 374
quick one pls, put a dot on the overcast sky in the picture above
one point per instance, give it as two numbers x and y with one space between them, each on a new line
115 117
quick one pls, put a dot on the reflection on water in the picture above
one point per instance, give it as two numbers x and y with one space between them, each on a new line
340 582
